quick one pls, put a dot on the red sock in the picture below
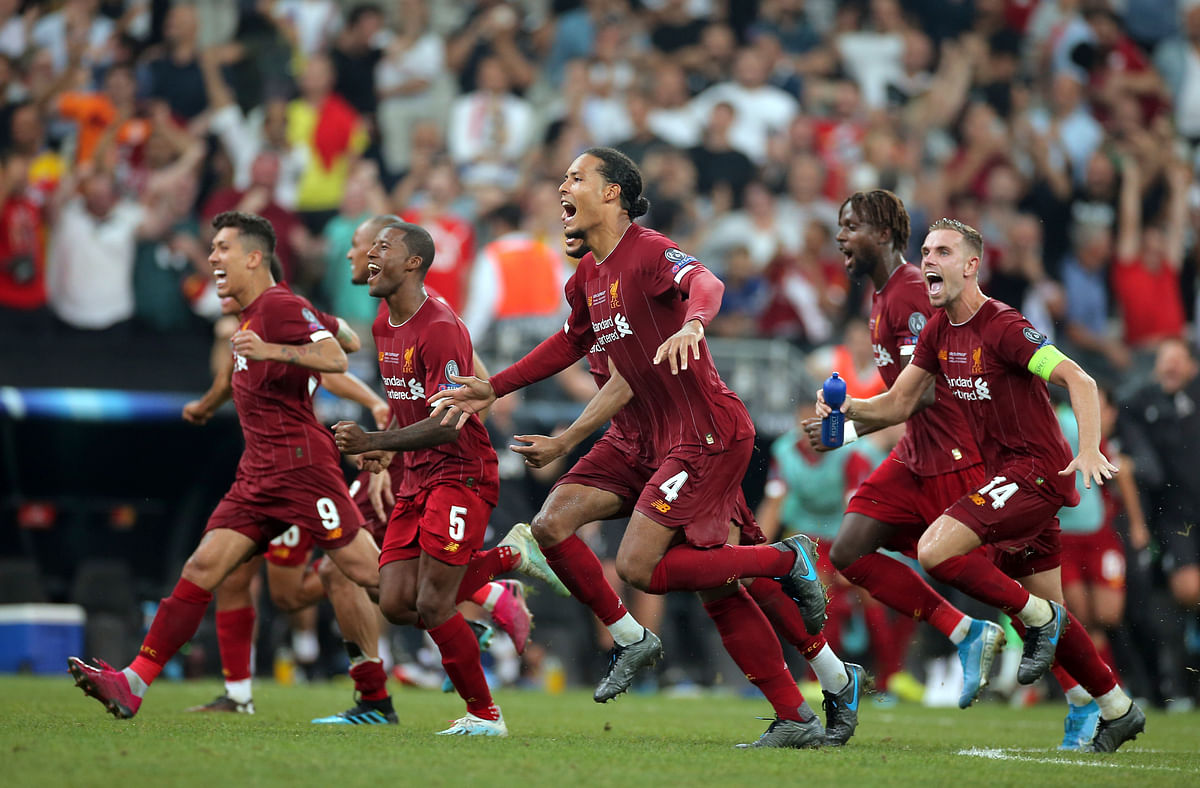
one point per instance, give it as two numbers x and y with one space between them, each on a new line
900 588
889 641
177 619
783 614
978 577
235 639
1065 679
369 679
580 571
1077 654
687 568
839 613
1106 654
748 638
485 565
460 658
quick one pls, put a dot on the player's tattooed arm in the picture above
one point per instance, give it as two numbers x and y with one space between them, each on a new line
352 439
347 337
600 409
324 355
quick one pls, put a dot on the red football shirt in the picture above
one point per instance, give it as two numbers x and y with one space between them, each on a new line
937 439
1150 299
628 305
415 360
984 363
273 399
624 425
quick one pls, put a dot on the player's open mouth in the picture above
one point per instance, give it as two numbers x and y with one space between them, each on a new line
568 211
373 270
219 278
933 282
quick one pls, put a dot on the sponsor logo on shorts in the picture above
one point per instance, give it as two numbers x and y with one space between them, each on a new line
956 454
661 506
452 547
708 438
336 533
977 499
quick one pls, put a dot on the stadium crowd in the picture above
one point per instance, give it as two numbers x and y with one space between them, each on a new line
1066 131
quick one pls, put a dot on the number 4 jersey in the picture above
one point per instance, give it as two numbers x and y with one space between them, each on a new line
417 359
984 362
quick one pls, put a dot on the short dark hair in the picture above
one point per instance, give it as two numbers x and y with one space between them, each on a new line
970 234
253 230
616 167
882 208
276 267
507 214
417 239
381 220
359 11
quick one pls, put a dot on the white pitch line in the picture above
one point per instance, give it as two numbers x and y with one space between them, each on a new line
1007 755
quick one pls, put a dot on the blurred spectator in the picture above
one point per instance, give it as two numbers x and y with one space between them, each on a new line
308 24
15 27
713 61
788 22
25 135
805 291
22 237
805 201
494 29
430 197
1072 132
746 295
1117 67
364 198
490 128
758 227
609 74
95 113
853 359
641 139
984 146
77 23
355 55
333 137
873 56
174 76
516 279
671 116
674 28
760 109
721 167
1085 281
1145 277
406 80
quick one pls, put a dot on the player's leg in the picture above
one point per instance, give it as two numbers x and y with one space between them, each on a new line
749 640
358 619
567 509
235 639
359 561
176 621
1120 718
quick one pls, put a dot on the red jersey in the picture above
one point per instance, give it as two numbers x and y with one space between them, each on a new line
984 362
937 439
415 360
628 305
624 425
273 399
1150 299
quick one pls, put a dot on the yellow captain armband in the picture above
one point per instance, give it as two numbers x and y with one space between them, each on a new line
1045 360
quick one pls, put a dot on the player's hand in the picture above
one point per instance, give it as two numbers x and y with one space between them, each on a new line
382 415
541 451
812 429
249 345
350 438
379 491
472 396
824 410
1093 465
194 412
373 461
681 344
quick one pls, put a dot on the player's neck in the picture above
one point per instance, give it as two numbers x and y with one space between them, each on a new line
883 272
253 290
404 303
966 305
603 238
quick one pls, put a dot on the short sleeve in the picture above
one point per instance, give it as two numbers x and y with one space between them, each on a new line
906 322
925 354
1013 339
445 351
578 326
665 269
296 322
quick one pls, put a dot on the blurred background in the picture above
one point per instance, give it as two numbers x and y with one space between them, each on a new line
1066 131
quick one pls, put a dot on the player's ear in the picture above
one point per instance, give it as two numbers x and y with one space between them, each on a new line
972 266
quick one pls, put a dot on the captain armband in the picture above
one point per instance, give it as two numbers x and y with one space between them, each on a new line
1045 360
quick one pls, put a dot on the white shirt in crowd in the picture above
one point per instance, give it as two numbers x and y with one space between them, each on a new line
89 279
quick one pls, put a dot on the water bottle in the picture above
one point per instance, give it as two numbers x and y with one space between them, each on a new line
834 390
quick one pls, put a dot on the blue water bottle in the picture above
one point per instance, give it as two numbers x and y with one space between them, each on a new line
834 390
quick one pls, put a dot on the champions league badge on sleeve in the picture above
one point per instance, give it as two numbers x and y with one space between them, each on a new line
678 259
313 323
451 370
916 323
1035 337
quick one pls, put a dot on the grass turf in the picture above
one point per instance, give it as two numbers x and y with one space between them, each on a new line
51 734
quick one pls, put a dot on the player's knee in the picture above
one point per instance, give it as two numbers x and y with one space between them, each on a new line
842 554
201 571
634 572
286 600
549 529
398 611
434 610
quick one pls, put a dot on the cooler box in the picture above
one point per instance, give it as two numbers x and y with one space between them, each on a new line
39 638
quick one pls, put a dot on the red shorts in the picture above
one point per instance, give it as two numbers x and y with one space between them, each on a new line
894 495
743 518
697 490
359 492
611 465
290 548
447 521
313 498
1017 523
1097 559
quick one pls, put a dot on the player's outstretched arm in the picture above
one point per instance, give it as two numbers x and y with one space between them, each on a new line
1085 401
891 407
352 439
199 411
349 386
600 409
347 337
455 406
324 355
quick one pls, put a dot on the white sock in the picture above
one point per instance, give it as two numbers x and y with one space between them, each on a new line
1078 696
306 647
959 633
385 653
830 670
495 591
136 685
626 630
1114 703
239 691
1036 613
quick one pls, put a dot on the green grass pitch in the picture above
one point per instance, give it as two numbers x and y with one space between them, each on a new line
50 734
